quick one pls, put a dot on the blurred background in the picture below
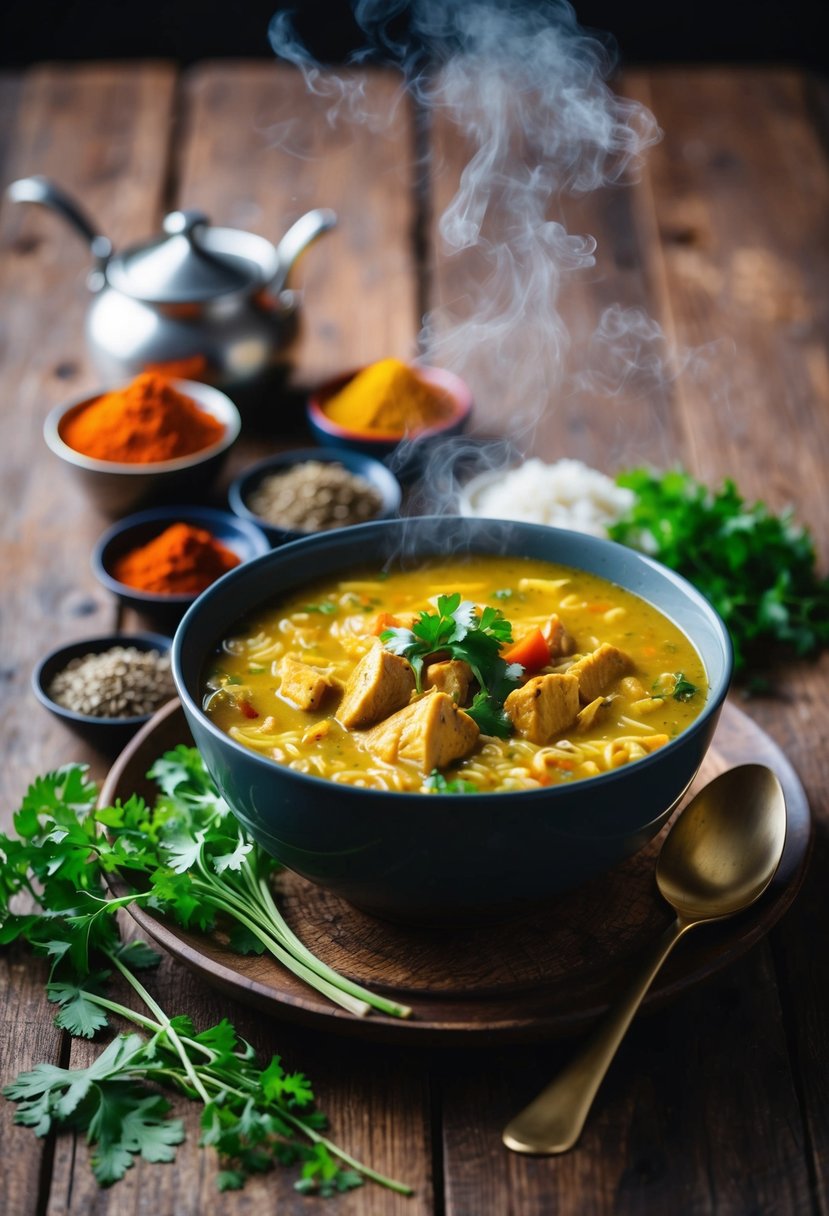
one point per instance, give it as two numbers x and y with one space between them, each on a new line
188 30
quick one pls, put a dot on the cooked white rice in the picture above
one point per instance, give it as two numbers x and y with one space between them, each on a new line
566 494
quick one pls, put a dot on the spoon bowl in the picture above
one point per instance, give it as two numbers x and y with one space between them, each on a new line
722 852
717 860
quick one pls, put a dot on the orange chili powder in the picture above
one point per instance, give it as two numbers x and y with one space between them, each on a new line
148 420
183 560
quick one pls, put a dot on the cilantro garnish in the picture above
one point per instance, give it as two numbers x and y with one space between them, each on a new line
460 630
489 714
683 689
196 865
327 607
757 568
680 690
436 783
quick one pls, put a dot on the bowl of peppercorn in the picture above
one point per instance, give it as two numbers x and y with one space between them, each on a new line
159 561
293 494
105 688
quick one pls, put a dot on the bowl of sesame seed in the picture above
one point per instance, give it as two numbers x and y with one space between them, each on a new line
105 688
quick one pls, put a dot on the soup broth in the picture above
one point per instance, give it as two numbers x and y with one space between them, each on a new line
619 681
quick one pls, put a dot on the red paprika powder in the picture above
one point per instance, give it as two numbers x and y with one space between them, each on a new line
147 421
183 560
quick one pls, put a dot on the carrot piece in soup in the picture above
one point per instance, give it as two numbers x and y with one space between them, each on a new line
532 651
384 621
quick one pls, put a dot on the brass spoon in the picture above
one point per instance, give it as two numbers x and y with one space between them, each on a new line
717 859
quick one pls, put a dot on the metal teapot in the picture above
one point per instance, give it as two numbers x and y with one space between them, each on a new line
200 302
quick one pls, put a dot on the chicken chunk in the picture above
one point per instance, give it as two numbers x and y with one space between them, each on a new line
432 732
596 672
452 676
561 643
303 685
544 706
381 683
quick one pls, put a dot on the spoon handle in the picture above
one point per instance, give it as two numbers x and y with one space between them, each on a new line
553 1122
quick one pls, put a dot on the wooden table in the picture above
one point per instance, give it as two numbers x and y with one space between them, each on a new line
720 1103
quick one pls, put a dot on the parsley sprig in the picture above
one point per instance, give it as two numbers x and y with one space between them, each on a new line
460 630
756 568
254 1117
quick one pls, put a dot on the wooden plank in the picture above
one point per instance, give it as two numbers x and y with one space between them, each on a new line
629 1158
536 372
227 166
11 84
706 1062
740 187
99 132
377 1102
259 153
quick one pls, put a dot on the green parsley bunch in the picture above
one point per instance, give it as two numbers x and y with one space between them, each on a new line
756 568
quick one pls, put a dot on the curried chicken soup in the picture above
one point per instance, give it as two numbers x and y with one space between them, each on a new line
461 676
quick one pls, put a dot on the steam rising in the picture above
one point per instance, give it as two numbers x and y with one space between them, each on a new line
526 90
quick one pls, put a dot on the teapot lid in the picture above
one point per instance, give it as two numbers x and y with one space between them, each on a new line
185 265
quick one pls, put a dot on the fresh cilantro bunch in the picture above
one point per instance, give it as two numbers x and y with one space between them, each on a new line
254 1117
188 858
459 630
756 568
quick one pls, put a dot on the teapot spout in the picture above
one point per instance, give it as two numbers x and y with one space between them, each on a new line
297 239
46 193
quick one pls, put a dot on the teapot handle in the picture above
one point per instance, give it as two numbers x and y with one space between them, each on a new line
42 190
297 239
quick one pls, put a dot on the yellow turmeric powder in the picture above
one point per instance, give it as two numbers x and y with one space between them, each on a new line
388 398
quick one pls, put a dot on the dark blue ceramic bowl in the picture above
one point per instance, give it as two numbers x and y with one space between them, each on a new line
244 538
411 856
405 458
371 470
108 735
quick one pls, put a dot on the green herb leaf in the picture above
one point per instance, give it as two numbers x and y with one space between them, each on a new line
477 638
758 569
683 689
436 783
255 1118
490 716
327 607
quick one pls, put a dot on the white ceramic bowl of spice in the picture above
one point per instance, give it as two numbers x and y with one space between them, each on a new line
293 494
150 441
105 688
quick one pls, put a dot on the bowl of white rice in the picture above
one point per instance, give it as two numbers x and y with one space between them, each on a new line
565 494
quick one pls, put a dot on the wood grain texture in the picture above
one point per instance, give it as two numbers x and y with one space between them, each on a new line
377 1103
93 130
740 186
740 197
547 363
694 1091
718 1103
259 151
693 199
226 164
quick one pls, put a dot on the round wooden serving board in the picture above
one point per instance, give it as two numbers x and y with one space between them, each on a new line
537 975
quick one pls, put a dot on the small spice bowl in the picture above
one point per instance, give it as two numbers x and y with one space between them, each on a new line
405 457
117 486
107 734
241 536
372 471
